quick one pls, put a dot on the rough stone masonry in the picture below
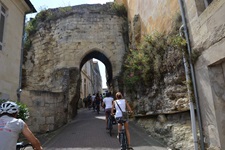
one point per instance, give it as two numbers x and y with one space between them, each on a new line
61 43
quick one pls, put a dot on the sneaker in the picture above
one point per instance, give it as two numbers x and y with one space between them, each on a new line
130 148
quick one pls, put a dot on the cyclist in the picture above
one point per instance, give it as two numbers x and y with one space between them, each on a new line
107 102
123 105
11 127
97 102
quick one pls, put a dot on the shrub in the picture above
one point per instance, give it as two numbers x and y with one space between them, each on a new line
147 65
119 9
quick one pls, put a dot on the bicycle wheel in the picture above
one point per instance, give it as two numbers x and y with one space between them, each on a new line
110 126
28 148
122 139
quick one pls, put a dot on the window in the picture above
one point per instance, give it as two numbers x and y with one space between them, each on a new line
202 5
2 24
207 2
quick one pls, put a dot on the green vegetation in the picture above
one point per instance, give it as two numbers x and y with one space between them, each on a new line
46 16
119 9
23 110
147 65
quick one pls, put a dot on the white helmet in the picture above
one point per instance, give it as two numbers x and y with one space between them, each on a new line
9 107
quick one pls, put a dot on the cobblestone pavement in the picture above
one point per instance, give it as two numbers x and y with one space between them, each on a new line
87 132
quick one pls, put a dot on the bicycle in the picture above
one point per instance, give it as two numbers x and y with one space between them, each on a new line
98 108
111 122
23 146
123 136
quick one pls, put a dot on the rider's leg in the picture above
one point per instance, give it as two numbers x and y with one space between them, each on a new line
106 118
127 133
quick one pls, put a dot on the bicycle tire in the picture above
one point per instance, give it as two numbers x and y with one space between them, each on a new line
28 148
110 126
123 142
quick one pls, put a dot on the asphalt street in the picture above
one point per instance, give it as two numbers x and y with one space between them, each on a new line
87 132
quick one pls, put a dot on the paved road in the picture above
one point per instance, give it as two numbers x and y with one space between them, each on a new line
87 132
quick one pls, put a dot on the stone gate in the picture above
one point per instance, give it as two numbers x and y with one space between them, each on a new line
61 45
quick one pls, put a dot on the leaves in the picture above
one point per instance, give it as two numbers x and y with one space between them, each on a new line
147 64
23 111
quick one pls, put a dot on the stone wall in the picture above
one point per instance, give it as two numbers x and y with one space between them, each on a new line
60 47
48 110
172 130
163 109
206 29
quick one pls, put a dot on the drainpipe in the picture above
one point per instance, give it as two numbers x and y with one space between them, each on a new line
19 90
192 111
192 75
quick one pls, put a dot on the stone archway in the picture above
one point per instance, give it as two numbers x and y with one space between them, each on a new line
51 66
100 56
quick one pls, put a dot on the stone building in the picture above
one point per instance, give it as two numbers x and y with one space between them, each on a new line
97 78
63 41
90 79
12 21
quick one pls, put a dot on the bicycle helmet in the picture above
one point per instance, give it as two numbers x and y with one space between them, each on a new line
9 107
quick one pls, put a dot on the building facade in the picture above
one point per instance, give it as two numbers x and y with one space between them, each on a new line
97 78
12 20
91 81
206 27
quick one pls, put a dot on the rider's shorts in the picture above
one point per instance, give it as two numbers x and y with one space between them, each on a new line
108 110
119 119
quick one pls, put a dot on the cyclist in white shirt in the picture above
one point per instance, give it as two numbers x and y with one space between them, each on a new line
11 127
124 105
107 103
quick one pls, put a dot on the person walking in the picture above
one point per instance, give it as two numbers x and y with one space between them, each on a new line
107 104
89 99
11 127
97 102
93 101
121 104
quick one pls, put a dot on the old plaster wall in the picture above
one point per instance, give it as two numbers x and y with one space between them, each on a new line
207 30
52 64
156 15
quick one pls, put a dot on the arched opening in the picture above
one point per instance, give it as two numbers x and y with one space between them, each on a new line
98 55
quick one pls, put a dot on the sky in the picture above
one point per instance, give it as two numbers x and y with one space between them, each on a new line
45 4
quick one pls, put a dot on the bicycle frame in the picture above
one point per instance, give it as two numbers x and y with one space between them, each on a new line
123 136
